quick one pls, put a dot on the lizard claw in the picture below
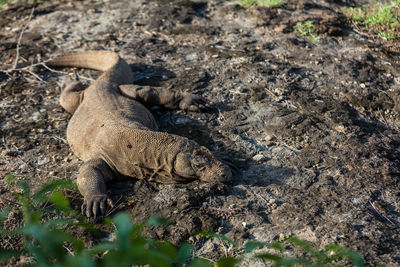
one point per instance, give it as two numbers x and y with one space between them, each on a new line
94 206
194 103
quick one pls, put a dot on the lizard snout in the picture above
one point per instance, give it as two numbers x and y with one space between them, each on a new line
219 174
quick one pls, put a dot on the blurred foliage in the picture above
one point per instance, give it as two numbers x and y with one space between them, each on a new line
45 238
331 255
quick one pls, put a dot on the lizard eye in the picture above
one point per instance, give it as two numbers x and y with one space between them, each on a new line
198 160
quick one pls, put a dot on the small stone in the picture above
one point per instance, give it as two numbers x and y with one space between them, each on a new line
259 157
362 85
23 166
35 116
269 138
43 161
281 237
191 57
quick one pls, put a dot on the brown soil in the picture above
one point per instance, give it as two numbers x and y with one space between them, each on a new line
312 128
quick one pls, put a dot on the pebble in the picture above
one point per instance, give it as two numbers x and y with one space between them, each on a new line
43 161
191 57
259 157
35 116
269 138
23 166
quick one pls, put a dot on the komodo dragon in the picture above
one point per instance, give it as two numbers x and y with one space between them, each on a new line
116 135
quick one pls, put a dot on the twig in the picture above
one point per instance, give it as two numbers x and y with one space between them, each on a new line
11 201
20 37
68 250
43 64
210 260
223 245
35 75
380 214
115 207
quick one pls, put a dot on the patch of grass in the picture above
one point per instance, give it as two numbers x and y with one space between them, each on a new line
307 29
382 19
266 3
331 255
3 3
45 239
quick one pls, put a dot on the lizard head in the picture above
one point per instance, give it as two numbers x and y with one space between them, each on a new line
201 164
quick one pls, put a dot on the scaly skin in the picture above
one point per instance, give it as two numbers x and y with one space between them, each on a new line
116 135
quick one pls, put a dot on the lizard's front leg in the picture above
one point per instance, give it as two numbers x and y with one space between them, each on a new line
91 180
152 96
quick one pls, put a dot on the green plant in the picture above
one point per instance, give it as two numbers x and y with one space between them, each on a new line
266 3
3 3
332 254
307 29
382 19
47 218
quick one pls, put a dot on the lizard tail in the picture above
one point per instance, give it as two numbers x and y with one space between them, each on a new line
97 60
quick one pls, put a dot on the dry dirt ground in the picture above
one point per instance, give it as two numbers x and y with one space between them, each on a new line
311 128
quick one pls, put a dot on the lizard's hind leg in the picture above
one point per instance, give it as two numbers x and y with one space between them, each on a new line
72 96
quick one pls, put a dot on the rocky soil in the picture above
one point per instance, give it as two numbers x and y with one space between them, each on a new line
311 129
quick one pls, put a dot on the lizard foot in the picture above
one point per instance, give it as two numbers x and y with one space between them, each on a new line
191 102
94 206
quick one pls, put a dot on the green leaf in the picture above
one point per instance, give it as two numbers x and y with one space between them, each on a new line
222 237
167 248
199 262
50 187
38 254
136 229
102 247
341 252
59 200
293 261
157 221
124 227
227 262
7 254
184 254
252 245
10 178
54 223
4 214
49 243
303 244
15 232
25 188
269 257
80 260
276 245
123 223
